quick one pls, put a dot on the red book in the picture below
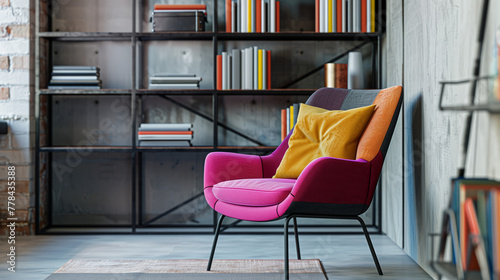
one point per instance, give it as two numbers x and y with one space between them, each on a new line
180 7
228 16
258 15
339 15
283 124
165 132
219 72
268 69
364 16
277 16
316 16
471 227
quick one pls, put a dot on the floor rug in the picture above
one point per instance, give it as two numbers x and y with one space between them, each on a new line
186 269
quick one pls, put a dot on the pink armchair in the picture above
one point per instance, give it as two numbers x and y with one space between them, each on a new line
240 186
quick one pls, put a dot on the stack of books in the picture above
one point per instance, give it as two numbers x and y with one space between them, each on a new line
75 77
289 117
252 16
165 134
345 16
179 17
249 68
174 81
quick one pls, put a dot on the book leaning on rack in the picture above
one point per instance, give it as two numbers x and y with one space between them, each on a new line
345 15
289 117
165 134
252 16
249 68
75 77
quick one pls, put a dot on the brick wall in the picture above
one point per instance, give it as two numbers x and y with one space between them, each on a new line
16 108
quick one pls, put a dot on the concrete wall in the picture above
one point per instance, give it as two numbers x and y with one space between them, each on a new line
16 101
427 42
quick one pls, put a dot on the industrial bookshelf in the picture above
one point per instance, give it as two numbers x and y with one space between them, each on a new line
55 146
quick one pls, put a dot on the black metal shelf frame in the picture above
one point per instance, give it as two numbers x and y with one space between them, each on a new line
136 94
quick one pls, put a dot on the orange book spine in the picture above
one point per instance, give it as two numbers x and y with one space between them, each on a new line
283 124
339 15
219 72
277 16
472 227
268 53
316 16
258 16
165 132
180 7
364 16
228 16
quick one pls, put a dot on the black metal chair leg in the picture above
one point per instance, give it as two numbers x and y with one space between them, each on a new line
369 241
296 232
217 231
285 233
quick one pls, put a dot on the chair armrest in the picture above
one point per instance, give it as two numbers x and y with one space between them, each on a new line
333 180
223 166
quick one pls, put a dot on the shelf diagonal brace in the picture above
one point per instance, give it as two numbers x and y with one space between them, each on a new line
173 209
289 84
212 120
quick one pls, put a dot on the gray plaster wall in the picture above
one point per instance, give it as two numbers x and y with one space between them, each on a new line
428 41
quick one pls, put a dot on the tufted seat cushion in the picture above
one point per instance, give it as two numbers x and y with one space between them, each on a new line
253 192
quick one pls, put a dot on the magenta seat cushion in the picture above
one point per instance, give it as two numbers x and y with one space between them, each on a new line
253 192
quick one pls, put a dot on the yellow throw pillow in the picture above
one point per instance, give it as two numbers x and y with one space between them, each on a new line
322 133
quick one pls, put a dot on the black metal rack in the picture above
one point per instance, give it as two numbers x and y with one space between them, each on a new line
136 93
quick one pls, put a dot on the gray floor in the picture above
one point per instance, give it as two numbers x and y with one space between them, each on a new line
343 257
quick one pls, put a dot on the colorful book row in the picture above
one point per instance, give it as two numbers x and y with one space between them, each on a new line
345 16
289 119
249 68
252 16
476 204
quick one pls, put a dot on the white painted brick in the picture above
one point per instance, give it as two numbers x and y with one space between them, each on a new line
17 46
20 141
7 16
13 157
20 3
22 170
19 127
18 77
20 93
12 108
5 141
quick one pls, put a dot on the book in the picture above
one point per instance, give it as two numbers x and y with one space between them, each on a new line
264 69
173 86
73 87
75 72
372 15
317 18
277 16
224 71
283 124
356 15
344 16
163 132
164 143
165 137
75 82
180 7
364 15
79 77
268 70
292 115
340 16
75 68
272 15
229 17
236 74
330 15
260 59
234 11
219 72
296 107
174 80
255 79
263 16
165 126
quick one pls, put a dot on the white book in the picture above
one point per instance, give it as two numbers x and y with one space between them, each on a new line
174 80
173 86
287 120
249 70
263 16
165 126
344 15
322 15
74 87
357 16
368 15
255 68
239 6
334 16
264 69
166 137
224 70
88 78
243 69
229 72
236 77
164 143
272 17
74 67
233 16
253 17
244 15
